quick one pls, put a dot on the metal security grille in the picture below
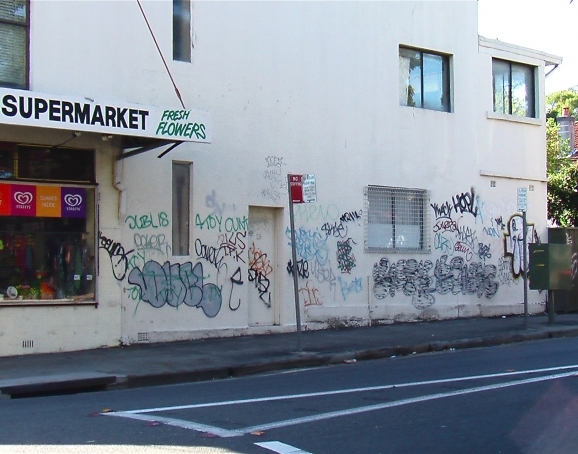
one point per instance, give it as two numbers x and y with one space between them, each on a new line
396 219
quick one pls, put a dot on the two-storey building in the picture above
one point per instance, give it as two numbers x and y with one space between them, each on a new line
145 148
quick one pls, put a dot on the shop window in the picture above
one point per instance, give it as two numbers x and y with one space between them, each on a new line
395 219
424 79
14 25
514 88
182 42
181 211
47 229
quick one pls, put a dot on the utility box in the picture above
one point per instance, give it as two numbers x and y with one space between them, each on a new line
550 266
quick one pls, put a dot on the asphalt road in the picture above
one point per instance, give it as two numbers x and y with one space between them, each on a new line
517 398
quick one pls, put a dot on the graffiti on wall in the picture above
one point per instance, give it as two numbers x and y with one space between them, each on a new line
514 242
117 254
276 183
147 221
420 280
259 269
175 284
345 257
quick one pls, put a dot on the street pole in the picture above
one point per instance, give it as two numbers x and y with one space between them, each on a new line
294 267
525 258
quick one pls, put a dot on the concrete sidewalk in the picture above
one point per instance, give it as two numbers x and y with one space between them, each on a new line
176 362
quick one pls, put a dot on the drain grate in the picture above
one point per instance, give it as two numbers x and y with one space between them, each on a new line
27 343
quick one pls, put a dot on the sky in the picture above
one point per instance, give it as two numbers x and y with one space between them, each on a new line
550 26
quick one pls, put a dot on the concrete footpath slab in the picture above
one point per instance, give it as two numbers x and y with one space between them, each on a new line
178 362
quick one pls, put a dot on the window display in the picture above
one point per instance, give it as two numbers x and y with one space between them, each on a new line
47 223
46 258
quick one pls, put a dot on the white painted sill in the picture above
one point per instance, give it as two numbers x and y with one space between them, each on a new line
514 118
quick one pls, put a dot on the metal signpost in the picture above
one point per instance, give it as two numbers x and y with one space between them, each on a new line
523 206
301 190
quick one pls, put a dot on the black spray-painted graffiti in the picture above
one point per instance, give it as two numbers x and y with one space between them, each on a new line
337 229
176 284
118 256
236 279
233 245
466 202
413 279
259 268
302 268
211 254
459 277
408 276
345 258
351 216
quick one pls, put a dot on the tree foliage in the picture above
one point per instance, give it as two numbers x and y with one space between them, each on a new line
562 171
555 102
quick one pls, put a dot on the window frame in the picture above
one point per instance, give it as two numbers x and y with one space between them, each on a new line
181 209
182 28
391 195
531 104
446 104
26 26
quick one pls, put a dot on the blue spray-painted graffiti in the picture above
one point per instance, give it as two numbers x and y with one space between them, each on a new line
175 284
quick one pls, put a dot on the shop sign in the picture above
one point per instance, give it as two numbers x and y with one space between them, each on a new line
42 201
27 108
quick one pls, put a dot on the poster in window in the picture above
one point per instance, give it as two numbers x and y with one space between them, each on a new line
48 201
23 200
73 202
5 199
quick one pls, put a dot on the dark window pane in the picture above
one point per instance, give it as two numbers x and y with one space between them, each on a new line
182 30
55 164
433 82
181 212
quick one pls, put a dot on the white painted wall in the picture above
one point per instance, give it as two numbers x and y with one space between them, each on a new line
293 87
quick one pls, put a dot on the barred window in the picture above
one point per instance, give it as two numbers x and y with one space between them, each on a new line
395 219
14 23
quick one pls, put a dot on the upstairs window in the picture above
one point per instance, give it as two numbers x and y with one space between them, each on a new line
514 88
14 43
395 219
424 79
182 42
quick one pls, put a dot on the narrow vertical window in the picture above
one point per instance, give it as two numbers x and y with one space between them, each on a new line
181 200
14 23
182 30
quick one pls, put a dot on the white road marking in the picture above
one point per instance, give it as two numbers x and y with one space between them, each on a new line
281 448
353 411
137 414
350 390
178 423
